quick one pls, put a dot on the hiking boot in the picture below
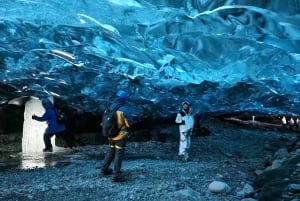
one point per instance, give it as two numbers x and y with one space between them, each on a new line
118 179
107 171
183 159
180 157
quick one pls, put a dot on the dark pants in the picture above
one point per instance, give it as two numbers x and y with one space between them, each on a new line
63 135
47 140
115 153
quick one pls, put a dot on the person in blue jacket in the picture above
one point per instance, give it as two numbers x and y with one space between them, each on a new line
53 128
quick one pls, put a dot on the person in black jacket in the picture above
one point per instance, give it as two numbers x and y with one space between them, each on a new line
117 144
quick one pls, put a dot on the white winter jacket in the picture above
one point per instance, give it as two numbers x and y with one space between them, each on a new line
188 118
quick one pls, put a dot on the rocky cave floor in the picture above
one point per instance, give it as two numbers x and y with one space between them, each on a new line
151 168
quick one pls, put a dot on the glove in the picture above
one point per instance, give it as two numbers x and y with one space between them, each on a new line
34 116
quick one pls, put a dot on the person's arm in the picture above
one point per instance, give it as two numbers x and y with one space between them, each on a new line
179 119
44 117
127 118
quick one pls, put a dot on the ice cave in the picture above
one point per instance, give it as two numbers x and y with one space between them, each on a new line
235 61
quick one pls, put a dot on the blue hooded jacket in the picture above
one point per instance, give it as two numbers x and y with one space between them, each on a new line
50 117
121 104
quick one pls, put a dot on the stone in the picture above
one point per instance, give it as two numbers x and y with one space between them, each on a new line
219 187
245 191
294 188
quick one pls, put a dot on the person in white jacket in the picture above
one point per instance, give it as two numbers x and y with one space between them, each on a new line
185 120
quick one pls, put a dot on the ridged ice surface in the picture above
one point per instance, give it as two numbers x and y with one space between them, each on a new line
234 55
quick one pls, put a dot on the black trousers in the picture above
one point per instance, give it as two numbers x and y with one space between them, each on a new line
115 153
63 135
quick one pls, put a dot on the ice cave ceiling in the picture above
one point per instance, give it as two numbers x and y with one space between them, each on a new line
225 55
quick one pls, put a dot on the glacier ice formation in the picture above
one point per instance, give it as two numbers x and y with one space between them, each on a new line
229 55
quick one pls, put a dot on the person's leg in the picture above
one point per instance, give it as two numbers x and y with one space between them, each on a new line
108 159
47 142
188 143
120 152
182 144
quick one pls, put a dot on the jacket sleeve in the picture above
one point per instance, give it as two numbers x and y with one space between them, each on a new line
44 117
178 119
190 121
127 119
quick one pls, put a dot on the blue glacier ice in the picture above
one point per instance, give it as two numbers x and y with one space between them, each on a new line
228 55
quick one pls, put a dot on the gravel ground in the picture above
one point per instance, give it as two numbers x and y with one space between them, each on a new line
151 169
